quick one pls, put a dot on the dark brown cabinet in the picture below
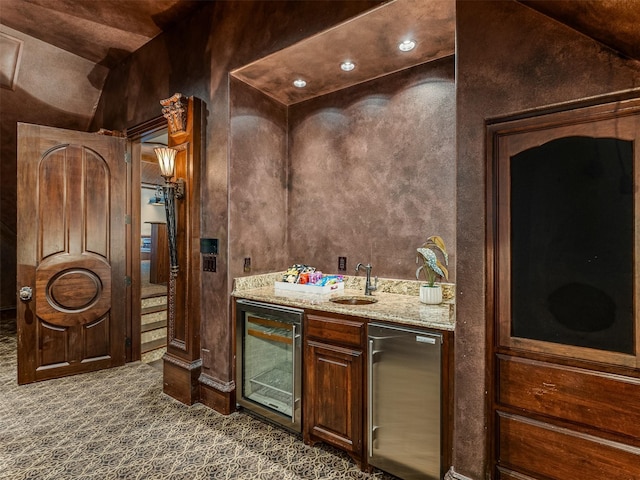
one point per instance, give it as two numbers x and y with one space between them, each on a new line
334 380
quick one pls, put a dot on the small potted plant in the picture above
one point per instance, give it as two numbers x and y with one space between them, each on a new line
431 293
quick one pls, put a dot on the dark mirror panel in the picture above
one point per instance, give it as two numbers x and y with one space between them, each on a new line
572 241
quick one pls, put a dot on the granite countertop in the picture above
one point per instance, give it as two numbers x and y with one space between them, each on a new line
398 300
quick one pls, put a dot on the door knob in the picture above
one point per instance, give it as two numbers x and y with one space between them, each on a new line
26 293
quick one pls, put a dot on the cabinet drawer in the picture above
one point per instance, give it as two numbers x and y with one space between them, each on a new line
543 450
349 332
604 401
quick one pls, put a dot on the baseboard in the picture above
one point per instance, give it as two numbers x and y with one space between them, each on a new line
180 378
453 475
219 396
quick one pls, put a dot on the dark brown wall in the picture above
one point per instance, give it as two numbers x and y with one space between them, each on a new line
258 175
367 173
509 59
195 59
373 172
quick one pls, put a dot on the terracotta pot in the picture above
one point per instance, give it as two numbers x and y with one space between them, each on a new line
431 295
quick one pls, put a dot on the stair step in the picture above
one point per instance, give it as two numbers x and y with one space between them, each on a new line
152 294
154 326
153 309
152 317
153 344
151 301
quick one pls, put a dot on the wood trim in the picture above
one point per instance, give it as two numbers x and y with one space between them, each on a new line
270 323
145 128
184 311
510 138
134 136
134 349
447 401
490 299
622 115
270 337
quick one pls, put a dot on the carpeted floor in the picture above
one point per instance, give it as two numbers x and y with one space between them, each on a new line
117 424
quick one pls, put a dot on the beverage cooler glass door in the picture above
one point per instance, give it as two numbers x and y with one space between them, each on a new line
268 361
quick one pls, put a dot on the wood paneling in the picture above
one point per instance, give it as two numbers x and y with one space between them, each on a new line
560 410
550 452
600 400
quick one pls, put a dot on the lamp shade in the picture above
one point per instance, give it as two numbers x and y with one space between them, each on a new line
167 160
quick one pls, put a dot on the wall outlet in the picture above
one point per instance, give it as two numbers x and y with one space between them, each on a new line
247 264
342 264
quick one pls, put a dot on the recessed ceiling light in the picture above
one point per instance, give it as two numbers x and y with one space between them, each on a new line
299 83
407 45
347 66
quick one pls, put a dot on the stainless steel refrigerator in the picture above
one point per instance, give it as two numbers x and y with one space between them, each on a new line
404 396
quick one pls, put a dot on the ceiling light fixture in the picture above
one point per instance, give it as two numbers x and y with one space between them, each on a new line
299 83
407 45
347 66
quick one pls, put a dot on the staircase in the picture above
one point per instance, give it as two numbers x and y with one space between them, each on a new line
153 327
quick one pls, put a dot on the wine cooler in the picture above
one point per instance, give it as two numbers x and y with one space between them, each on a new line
268 362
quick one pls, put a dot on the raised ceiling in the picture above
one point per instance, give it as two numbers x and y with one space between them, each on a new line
369 41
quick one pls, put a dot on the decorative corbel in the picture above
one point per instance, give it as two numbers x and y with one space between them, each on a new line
174 110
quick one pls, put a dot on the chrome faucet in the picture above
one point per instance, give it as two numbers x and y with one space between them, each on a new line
368 288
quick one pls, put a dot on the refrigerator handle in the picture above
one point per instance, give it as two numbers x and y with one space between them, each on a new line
372 427
370 398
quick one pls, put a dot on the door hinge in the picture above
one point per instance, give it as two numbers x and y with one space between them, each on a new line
127 219
127 342
127 157
127 281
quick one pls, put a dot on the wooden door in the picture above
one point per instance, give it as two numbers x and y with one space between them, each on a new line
564 285
72 190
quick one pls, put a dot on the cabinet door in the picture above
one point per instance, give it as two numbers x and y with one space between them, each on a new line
333 396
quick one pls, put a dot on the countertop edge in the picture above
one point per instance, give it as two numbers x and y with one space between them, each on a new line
412 312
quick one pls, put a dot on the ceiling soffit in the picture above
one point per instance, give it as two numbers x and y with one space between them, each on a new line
370 41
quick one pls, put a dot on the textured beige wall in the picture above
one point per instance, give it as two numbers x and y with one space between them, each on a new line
373 172
258 172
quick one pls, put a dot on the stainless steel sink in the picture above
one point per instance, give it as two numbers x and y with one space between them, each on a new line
354 300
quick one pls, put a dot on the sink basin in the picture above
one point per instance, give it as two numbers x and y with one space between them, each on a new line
354 300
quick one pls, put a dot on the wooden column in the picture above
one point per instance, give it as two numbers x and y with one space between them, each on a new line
182 362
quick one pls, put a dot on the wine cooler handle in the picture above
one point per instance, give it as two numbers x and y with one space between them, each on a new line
293 373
